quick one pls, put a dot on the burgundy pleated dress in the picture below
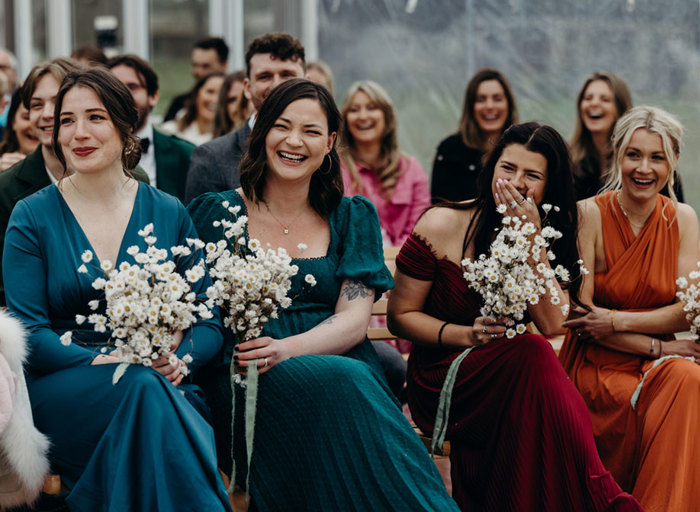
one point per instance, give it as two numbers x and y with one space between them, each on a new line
520 433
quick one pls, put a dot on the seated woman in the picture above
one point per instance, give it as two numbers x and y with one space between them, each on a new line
601 101
489 108
373 166
19 139
636 243
519 431
328 436
197 123
233 108
140 444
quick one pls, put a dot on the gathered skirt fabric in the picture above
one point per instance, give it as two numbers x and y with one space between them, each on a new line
334 439
520 433
123 446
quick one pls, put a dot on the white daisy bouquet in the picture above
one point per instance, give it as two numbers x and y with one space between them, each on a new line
689 293
147 302
250 283
506 278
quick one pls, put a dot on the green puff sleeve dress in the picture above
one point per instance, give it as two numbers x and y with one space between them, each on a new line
328 434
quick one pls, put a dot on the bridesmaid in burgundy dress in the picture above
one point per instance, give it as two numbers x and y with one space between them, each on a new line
520 433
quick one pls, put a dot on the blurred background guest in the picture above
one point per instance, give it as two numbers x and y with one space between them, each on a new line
19 139
165 158
601 101
208 55
373 166
321 73
4 101
489 108
234 107
89 55
603 98
197 122
8 68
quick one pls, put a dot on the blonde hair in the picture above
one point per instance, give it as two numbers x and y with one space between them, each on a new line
389 173
654 120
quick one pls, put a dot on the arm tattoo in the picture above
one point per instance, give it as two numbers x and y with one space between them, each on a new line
329 320
355 289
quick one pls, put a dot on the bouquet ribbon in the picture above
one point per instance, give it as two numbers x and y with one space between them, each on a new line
443 412
250 408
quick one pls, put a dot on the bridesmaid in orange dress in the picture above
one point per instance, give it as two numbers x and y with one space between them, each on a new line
637 243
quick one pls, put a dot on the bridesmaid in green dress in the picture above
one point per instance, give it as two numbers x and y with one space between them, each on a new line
139 445
328 435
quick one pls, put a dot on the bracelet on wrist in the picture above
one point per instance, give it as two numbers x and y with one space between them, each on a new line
652 352
442 328
612 321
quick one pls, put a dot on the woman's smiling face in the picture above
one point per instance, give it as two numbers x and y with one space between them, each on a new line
298 141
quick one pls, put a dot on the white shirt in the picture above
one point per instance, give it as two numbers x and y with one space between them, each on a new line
51 177
148 159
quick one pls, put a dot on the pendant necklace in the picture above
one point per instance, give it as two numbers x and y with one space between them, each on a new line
619 201
285 229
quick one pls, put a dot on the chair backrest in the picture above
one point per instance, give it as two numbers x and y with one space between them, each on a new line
379 307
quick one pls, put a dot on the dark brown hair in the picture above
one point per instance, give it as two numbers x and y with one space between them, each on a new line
93 54
581 144
116 99
559 191
223 123
190 108
146 73
214 43
10 142
282 46
472 135
326 188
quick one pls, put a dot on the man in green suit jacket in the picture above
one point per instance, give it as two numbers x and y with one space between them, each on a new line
165 158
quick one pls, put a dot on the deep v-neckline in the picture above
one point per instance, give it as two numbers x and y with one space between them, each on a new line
74 219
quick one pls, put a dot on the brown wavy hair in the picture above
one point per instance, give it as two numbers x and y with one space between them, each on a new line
326 188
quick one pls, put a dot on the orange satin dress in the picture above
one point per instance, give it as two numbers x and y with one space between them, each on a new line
653 451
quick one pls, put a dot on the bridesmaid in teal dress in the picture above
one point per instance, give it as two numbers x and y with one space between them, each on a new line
328 434
139 445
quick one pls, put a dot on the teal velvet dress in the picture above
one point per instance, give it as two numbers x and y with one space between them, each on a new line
139 445
328 434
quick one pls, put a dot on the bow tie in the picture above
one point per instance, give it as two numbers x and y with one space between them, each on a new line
145 143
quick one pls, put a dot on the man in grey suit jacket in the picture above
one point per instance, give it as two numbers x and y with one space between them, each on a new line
270 60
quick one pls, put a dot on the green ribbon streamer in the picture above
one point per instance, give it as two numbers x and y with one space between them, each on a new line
638 389
443 412
250 410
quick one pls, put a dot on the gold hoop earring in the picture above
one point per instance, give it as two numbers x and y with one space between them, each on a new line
330 165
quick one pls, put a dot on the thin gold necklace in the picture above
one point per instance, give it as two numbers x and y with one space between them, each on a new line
619 201
285 228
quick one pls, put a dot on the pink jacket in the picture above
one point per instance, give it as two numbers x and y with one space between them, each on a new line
399 214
